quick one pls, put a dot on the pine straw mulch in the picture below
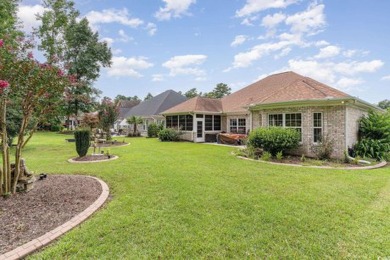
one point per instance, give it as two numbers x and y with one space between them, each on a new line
52 202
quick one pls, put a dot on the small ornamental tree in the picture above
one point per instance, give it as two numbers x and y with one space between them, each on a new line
108 114
83 141
135 121
35 88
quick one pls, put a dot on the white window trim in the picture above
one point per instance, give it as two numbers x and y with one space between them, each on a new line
237 125
322 125
284 122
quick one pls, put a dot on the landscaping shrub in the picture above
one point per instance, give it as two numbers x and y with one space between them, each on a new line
169 135
274 139
324 149
55 128
374 136
376 149
154 129
266 156
83 141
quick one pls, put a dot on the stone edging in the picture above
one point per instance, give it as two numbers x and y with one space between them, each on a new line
379 165
115 146
47 238
111 159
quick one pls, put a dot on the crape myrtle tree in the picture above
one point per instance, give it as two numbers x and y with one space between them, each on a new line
69 40
35 88
108 114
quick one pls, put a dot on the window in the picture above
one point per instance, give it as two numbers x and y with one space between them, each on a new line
212 123
189 122
217 123
275 120
292 120
237 125
146 124
182 122
169 121
317 127
208 123
174 121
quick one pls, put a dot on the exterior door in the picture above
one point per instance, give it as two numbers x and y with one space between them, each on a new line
199 130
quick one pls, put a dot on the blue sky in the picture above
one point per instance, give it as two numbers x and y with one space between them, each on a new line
183 44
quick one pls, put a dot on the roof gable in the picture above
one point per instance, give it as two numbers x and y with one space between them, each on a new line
197 104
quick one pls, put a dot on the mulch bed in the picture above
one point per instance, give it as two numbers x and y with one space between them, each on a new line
52 202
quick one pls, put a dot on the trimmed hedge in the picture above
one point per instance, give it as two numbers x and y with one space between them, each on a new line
274 139
83 141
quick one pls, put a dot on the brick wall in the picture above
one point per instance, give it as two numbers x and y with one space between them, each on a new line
353 116
333 118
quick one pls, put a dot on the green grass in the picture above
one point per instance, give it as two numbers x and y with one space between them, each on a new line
185 200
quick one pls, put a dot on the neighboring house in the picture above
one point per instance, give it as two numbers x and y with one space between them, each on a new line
285 99
124 107
150 110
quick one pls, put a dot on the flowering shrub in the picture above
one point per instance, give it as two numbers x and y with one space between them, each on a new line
4 84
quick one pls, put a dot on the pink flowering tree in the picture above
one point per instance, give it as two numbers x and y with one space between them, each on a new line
108 114
33 87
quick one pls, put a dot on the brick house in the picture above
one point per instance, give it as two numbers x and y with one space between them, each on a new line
285 99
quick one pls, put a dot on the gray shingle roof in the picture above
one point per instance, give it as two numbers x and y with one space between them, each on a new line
157 104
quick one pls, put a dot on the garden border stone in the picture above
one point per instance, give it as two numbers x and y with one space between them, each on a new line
379 165
50 236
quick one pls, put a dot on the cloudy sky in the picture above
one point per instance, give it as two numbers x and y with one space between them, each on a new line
183 44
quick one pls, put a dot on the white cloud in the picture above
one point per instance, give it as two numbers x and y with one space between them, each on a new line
151 28
283 53
386 77
124 37
321 43
354 67
108 40
173 8
27 14
238 40
270 21
122 66
248 21
255 6
328 52
308 21
349 53
348 83
245 59
185 64
157 77
337 74
113 16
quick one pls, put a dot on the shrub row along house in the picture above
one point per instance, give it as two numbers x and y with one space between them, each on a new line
285 100
150 110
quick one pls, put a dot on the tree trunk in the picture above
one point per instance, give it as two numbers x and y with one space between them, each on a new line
18 153
5 181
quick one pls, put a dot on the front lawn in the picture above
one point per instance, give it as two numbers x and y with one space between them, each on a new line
185 200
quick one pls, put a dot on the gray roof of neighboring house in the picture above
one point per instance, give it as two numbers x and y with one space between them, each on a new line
125 106
157 104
